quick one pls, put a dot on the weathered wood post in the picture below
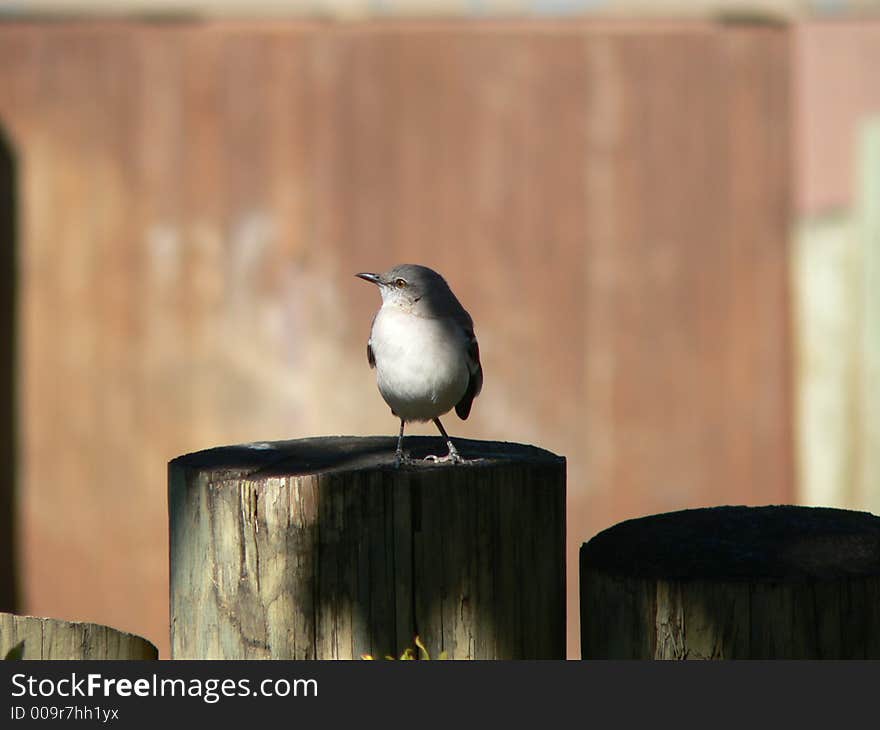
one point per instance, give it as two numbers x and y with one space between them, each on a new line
734 583
322 549
29 637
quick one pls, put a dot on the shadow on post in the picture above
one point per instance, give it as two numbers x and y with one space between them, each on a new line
9 598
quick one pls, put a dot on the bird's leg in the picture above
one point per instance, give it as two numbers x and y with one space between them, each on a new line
399 457
453 454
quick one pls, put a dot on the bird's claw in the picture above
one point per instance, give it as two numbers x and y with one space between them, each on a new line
452 457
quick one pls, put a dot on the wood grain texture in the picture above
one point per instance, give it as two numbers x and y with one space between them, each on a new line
322 549
49 638
734 583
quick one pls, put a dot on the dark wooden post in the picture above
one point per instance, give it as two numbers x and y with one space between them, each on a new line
323 549
734 583
29 637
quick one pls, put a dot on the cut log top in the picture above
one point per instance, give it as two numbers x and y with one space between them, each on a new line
49 638
352 453
778 543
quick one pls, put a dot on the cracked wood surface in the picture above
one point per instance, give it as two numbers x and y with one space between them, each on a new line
321 549
778 582
49 638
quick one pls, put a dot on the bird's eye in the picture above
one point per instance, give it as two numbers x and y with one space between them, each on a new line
400 283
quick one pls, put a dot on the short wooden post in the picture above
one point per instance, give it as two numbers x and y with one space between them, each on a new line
734 583
322 549
29 637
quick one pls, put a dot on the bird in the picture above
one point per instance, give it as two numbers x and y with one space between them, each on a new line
423 348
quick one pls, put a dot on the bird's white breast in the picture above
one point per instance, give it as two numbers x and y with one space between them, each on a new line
421 367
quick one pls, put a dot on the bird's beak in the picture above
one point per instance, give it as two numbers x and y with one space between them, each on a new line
373 278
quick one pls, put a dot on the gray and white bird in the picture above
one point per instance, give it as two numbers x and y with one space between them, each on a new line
423 348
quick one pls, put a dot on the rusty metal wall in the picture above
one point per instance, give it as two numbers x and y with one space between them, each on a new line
610 201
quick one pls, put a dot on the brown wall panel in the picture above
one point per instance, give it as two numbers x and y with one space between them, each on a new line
610 201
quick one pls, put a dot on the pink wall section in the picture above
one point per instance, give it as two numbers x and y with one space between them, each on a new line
836 70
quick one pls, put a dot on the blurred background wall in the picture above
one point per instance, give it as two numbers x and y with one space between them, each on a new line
836 262
633 212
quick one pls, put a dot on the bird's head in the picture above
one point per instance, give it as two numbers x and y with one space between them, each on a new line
410 285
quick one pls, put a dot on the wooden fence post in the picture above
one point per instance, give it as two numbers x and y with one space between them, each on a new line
29 637
322 549
734 583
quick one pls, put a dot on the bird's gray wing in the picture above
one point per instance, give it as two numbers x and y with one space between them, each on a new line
475 382
371 358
